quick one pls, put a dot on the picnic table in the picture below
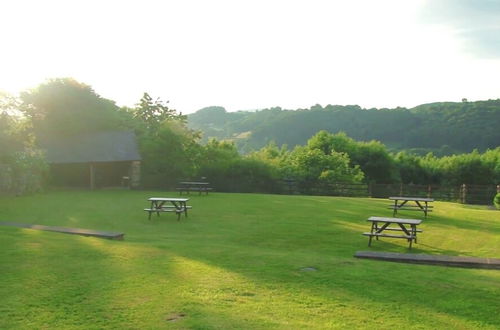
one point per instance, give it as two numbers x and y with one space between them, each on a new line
188 186
177 205
381 224
420 204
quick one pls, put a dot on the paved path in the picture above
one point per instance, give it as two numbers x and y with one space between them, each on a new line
429 259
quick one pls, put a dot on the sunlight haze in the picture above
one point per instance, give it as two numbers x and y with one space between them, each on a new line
256 54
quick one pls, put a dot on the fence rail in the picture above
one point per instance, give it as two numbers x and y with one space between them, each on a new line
466 194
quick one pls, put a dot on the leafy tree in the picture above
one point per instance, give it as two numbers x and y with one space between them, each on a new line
271 154
64 106
217 156
371 157
154 113
9 104
492 160
22 167
467 168
169 154
411 169
324 141
11 138
313 167
376 162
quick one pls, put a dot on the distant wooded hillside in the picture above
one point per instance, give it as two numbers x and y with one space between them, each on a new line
443 128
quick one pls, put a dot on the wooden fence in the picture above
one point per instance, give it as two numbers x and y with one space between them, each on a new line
466 194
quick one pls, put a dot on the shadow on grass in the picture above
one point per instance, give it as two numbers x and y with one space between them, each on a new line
53 287
456 221
266 245
427 294
92 283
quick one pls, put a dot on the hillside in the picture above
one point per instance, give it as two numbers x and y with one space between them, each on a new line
443 128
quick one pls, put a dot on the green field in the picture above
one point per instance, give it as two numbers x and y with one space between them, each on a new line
236 263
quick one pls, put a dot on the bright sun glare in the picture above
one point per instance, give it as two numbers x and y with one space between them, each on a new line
244 55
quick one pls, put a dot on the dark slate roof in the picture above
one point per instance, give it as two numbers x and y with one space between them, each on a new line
113 146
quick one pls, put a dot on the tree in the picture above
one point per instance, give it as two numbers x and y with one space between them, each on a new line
312 167
169 148
64 106
371 157
410 168
8 103
169 152
153 113
22 167
376 162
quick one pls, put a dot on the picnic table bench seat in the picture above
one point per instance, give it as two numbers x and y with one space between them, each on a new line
389 235
168 209
409 208
399 229
173 207
193 188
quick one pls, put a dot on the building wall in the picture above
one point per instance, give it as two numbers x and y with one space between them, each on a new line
105 174
135 174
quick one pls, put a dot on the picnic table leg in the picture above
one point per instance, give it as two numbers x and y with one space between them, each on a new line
185 209
395 208
371 231
152 208
149 212
414 232
422 208
158 208
178 209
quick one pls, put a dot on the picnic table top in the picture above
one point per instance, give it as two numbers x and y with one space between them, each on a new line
168 199
395 220
193 182
420 199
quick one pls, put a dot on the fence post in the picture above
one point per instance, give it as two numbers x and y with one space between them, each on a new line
498 188
463 194
429 191
401 189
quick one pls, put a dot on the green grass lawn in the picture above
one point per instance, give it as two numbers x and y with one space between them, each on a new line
236 263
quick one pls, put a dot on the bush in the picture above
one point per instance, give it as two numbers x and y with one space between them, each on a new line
496 201
24 173
242 175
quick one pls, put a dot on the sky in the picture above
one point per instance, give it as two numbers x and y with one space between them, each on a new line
246 55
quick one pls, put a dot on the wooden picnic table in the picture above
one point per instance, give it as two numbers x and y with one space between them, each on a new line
420 204
189 186
381 224
177 205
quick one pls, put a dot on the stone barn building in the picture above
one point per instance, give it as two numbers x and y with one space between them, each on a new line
94 160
